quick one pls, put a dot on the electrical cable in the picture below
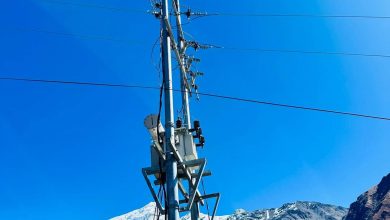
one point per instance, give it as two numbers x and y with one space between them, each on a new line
163 185
156 209
301 51
297 15
157 67
128 10
79 83
81 36
88 5
207 204
204 94
215 46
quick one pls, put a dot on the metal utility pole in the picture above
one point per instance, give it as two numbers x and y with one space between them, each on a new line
174 157
183 87
170 163
184 91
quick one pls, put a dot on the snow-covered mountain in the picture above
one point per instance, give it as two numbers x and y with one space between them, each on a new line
296 211
148 212
145 213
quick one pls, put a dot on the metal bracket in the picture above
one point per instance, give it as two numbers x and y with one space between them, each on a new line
217 197
184 165
202 163
158 203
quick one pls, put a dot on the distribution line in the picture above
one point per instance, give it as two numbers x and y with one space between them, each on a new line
302 52
202 94
125 41
76 35
89 5
233 14
78 83
298 15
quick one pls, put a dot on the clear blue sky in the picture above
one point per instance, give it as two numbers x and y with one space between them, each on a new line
75 152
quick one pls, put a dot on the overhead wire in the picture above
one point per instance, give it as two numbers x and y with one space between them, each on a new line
157 67
296 15
76 35
90 5
233 14
226 97
214 46
302 51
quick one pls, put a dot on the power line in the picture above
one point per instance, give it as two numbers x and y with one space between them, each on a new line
79 83
294 106
303 52
125 41
76 35
232 14
298 15
200 93
89 5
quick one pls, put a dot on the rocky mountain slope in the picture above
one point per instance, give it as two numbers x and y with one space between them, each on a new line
293 211
373 204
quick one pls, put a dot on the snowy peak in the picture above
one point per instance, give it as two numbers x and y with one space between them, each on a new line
296 210
147 212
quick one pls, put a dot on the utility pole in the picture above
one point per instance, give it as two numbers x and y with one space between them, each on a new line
170 163
174 157
184 91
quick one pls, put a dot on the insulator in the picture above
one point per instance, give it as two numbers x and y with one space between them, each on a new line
202 140
196 124
179 123
156 14
188 13
199 132
199 13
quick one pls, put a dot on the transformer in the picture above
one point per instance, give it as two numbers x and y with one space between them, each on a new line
184 142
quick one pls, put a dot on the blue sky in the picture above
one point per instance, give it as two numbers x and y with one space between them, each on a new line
75 152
